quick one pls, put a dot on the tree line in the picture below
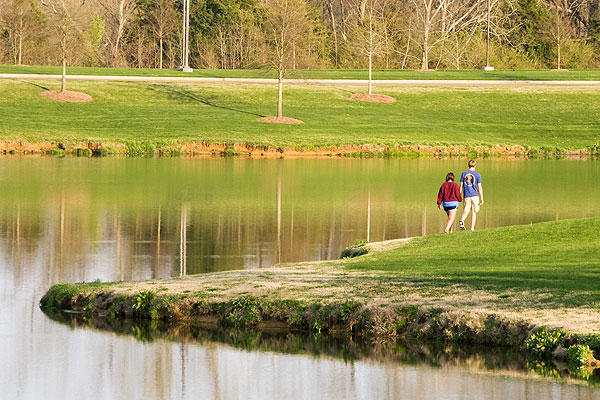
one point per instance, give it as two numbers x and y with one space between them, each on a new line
299 34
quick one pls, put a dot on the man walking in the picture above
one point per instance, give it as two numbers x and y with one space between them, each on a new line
472 192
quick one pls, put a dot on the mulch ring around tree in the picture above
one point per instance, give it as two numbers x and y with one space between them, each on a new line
66 96
282 120
373 98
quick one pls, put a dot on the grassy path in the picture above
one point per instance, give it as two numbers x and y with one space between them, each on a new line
520 75
359 82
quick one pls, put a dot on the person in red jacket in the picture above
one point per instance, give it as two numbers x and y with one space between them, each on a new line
449 196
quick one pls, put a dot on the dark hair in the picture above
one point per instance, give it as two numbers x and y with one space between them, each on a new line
449 176
472 163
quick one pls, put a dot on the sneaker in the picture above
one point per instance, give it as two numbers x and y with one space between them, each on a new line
461 225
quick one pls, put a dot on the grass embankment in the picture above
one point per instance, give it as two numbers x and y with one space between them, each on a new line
138 118
489 287
529 75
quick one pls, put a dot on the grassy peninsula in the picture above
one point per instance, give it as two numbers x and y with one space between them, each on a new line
492 287
152 117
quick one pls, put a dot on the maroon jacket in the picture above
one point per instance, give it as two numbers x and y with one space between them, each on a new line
449 191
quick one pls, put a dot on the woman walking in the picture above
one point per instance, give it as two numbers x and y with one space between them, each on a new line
449 196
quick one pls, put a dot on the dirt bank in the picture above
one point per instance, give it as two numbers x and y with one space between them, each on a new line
91 148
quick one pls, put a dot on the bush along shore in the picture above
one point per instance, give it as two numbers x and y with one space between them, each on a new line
396 291
159 149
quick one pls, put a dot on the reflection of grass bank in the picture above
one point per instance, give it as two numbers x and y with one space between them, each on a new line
489 287
498 361
140 118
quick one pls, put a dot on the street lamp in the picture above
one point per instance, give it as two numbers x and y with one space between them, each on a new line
186 38
487 43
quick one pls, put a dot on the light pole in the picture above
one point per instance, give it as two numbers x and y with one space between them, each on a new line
487 42
186 37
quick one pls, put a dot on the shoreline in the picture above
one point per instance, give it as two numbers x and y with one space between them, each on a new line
330 298
216 149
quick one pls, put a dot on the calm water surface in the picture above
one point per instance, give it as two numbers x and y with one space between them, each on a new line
70 220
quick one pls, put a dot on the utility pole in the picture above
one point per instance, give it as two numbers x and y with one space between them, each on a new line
186 38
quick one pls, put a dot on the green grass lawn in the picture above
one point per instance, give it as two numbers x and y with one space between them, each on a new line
536 75
556 262
177 113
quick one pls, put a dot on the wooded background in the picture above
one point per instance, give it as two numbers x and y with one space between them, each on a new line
315 34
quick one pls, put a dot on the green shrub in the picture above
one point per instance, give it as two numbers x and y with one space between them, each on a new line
57 151
592 340
82 152
351 252
229 152
243 311
143 301
104 151
578 355
544 341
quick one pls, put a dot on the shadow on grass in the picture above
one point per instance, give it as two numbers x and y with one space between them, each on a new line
179 93
34 84
571 287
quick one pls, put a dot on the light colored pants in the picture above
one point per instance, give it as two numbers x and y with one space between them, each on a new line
471 202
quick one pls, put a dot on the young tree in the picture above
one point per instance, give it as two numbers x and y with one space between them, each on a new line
285 23
163 18
561 28
63 15
93 43
370 40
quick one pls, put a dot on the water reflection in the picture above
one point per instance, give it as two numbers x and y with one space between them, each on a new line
73 220
152 218
485 361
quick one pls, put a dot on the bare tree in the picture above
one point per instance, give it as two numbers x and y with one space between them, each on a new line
21 19
440 18
164 24
369 39
286 22
63 15
118 13
561 29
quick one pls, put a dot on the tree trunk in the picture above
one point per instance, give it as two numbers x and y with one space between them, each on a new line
370 76
370 54
63 47
20 59
20 49
160 59
280 91
405 59
557 39
426 28
334 28
425 59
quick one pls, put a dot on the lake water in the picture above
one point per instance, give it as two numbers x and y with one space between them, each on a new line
72 220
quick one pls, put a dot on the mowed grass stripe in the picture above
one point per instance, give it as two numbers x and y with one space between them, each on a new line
559 260
566 118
